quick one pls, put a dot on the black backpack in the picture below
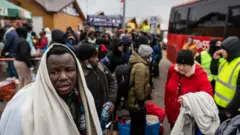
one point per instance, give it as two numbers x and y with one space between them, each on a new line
123 73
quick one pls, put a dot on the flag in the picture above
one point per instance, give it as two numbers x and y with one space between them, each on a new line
121 1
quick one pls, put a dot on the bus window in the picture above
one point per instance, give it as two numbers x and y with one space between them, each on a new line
207 19
178 20
172 28
233 25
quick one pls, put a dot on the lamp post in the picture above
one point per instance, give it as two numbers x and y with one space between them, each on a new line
124 13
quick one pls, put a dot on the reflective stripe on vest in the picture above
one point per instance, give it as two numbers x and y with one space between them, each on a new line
226 83
205 64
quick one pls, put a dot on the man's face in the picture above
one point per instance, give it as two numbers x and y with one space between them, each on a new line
62 72
92 36
93 61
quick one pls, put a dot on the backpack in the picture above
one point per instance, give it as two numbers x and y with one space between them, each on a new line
123 73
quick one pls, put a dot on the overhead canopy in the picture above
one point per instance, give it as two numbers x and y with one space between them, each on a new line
8 9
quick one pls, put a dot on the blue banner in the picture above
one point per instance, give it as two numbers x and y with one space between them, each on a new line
107 21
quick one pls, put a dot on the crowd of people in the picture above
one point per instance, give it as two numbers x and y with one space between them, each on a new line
80 74
77 70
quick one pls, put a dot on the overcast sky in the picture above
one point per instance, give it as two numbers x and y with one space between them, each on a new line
134 8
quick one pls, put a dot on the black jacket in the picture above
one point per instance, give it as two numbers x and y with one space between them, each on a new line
102 85
115 57
233 50
23 51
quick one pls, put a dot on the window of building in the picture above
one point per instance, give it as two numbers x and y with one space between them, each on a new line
233 23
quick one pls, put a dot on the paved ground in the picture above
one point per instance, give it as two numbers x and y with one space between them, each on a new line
159 84
158 96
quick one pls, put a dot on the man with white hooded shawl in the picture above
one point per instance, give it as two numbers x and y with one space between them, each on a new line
40 109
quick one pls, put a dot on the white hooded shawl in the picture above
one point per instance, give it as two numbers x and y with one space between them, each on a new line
38 110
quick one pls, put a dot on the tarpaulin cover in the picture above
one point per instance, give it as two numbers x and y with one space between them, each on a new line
7 9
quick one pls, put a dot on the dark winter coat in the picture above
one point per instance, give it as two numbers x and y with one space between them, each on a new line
22 48
11 37
115 57
102 85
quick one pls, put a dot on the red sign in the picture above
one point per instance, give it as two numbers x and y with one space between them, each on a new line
176 42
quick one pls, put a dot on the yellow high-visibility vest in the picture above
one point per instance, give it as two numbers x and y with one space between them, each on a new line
206 63
226 82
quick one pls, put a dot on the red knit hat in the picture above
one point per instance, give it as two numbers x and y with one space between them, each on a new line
103 48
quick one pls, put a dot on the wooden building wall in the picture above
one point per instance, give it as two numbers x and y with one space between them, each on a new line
62 21
38 10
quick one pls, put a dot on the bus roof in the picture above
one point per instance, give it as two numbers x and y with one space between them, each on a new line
186 3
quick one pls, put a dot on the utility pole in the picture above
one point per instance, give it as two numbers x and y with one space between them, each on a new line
124 13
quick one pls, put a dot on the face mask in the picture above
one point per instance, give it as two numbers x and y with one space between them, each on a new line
217 48
88 65
149 60
71 41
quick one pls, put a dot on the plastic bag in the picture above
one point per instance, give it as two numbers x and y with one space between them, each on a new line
7 90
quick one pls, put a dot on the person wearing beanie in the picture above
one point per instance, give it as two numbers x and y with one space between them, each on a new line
99 79
205 57
225 65
183 77
140 89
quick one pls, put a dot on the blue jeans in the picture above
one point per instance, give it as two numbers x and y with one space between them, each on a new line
11 70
